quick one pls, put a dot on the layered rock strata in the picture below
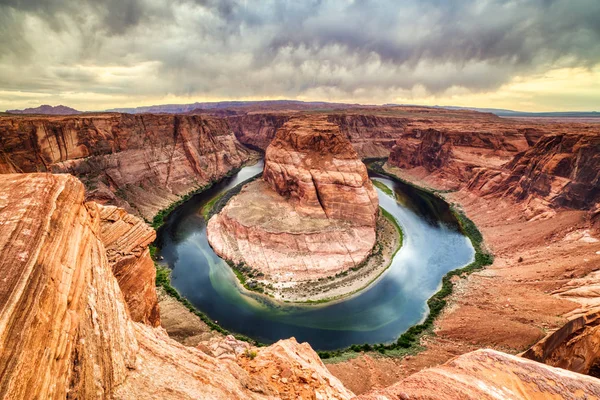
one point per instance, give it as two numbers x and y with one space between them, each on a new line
142 163
126 239
488 374
559 170
312 215
65 331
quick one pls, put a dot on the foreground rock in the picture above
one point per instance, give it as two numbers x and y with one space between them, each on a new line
487 374
312 215
142 163
65 328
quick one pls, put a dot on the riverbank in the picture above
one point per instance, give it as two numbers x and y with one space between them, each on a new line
184 322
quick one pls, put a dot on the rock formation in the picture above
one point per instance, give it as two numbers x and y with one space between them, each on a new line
490 375
431 150
65 331
575 346
257 130
142 163
312 215
562 170
370 135
126 239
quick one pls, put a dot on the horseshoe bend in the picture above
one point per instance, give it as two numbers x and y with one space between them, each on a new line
300 200
84 270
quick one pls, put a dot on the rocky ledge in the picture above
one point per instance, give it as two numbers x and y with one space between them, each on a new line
312 215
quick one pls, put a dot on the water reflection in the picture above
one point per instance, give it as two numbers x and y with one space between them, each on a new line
432 247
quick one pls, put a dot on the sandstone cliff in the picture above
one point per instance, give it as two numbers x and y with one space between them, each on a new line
313 214
562 170
431 150
126 239
257 130
139 162
65 330
64 327
370 135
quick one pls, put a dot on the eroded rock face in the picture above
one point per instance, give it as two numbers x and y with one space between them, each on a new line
488 374
562 170
257 130
432 151
142 163
314 166
575 346
313 215
65 331
126 239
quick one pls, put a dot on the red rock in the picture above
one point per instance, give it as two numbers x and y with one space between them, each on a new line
126 239
575 346
142 162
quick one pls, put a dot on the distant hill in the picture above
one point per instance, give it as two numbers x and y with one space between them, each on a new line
510 113
47 110
265 105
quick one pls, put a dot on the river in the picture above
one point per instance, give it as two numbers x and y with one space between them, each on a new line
432 247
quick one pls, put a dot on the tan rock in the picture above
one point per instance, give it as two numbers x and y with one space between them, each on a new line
575 346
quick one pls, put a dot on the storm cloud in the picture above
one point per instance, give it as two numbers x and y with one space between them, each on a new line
337 49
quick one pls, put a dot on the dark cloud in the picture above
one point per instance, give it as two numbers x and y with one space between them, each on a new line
240 48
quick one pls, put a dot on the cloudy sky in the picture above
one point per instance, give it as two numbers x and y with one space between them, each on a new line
533 55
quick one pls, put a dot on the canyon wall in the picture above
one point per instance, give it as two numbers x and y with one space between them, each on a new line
539 165
370 135
562 170
257 130
139 162
126 239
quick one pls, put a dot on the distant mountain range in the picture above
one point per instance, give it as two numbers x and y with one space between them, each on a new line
287 105
47 110
273 105
511 113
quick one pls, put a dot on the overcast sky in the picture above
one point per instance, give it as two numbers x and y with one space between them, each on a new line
528 55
